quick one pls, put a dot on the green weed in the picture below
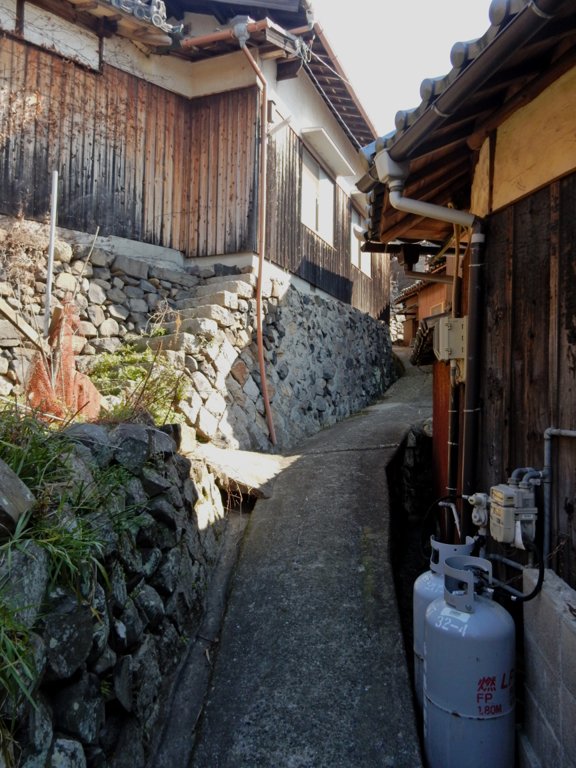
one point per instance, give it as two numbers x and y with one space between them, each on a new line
140 385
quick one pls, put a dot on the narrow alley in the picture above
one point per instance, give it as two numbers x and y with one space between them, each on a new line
310 669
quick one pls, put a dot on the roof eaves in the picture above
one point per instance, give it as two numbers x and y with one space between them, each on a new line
472 62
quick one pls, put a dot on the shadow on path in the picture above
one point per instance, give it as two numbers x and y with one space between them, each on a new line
310 670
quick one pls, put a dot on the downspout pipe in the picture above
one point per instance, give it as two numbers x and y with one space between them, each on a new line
394 174
427 210
242 32
471 414
454 403
472 393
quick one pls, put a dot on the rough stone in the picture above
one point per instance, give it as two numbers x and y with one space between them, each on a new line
66 281
62 252
96 314
206 424
138 306
240 372
109 327
68 634
79 708
15 499
150 605
88 330
117 296
118 311
106 345
129 266
67 753
96 294
131 443
37 737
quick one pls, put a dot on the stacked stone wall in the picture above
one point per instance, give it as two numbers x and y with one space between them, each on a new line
324 359
107 648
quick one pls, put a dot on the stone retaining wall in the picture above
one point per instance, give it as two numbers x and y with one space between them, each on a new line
105 654
324 359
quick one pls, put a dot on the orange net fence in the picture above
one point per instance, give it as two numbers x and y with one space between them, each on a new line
55 387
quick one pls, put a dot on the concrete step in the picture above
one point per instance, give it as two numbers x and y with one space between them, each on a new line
184 341
243 286
226 299
220 315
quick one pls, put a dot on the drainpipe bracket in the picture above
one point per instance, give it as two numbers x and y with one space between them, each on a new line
239 25
389 171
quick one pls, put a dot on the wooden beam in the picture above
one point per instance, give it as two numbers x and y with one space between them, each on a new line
23 327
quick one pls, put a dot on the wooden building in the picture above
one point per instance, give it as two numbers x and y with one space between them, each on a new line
496 137
507 154
153 116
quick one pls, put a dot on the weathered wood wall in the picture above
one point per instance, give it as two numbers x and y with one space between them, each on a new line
135 159
147 164
529 356
299 250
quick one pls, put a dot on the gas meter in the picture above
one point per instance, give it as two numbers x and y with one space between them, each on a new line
512 513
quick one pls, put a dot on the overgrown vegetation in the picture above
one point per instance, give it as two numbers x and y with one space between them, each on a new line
137 384
68 523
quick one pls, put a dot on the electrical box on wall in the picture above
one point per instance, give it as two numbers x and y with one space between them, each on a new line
450 341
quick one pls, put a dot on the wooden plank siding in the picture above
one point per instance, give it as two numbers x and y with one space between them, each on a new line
529 355
141 162
134 159
298 249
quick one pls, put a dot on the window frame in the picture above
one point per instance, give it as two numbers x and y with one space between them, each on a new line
317 198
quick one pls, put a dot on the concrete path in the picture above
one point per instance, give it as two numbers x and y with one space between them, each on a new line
310 670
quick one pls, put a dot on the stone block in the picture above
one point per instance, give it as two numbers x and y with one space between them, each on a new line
201 384
526 757
174 276
138 306
179 342
243 287
541 735
66 281
216 404
118 312
223 317
129 266
101 258
109 327
206 424
96 294
96 315
196 325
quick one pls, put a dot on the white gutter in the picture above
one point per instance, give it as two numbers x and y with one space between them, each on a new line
394 175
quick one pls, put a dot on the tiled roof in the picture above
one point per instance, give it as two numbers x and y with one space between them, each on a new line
528 43
291 36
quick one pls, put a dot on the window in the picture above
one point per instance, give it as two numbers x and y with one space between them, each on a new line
359 259
317 207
